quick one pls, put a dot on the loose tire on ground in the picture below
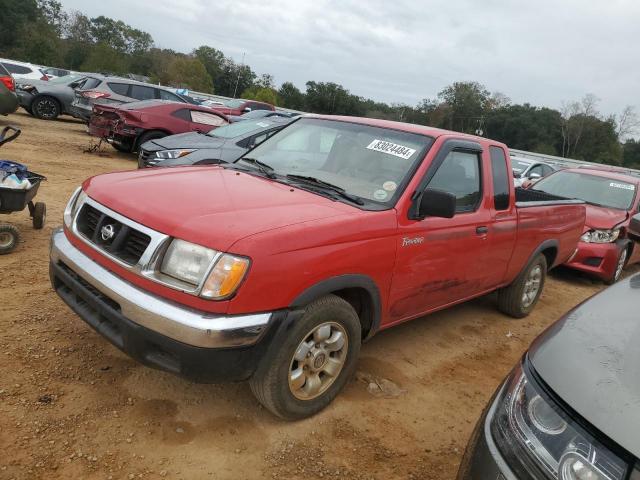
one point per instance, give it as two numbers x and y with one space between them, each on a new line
46 108
275 383
39 215
9 238
512 299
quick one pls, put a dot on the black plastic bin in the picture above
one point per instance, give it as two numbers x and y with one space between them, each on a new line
13 200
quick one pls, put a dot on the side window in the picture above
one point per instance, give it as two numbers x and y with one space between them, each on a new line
140 92
17 69
119 88
459 174
91 83
546 170
207 118
166 95
258 106
537 170
501 178
182 114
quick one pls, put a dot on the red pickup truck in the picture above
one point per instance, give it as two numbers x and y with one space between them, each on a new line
276 267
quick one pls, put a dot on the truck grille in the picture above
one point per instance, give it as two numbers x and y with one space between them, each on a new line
147 158
112 236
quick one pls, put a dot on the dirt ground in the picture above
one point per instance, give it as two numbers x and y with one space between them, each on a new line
73 406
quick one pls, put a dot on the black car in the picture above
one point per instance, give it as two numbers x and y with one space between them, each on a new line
571 409
8 99
227 144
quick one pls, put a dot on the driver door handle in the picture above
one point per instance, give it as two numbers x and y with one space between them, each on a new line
482 230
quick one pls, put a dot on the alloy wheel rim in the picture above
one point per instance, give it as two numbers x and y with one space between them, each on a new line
46 108
532 286
5 239
318 360
621 262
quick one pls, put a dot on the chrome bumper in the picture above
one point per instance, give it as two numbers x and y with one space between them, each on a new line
191 327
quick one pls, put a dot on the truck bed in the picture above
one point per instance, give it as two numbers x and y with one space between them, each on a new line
536 198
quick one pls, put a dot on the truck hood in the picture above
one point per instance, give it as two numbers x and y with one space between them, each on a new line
185 140
210 206
591 359
603 218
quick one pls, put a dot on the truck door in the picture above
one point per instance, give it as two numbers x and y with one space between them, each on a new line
443 260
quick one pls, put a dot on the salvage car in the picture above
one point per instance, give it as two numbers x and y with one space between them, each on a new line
128 126
117 91
222 144
23 70
569 410
525 170
8 99
256 114
276 267
48 100
239 107
611 196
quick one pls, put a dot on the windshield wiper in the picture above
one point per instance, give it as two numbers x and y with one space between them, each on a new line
327 186
265 168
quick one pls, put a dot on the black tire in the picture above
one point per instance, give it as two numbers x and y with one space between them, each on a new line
270 383
618 272
39 215
146 136
511 299
9 238
45 108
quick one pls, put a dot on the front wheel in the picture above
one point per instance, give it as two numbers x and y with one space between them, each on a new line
620 264
519 298
46 108
301 375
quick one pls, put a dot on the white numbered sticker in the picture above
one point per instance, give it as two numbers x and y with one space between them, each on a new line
625 186
392 149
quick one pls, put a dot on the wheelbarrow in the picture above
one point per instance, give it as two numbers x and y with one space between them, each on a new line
16 200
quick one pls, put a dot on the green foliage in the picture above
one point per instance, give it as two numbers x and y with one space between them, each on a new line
631 154
463 105
261 94
187 72
14 15
291 96
104 59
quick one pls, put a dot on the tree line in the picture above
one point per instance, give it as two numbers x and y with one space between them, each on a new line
42 32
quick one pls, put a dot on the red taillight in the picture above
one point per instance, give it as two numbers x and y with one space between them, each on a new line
94 94
9 82
45 78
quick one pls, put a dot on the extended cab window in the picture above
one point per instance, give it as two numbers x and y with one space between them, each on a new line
459 174
501 180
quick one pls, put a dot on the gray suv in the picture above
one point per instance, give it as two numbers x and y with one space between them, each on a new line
115 91
570 410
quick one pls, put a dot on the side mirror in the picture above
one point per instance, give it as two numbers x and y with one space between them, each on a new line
535 176
517 175
436 203
246 109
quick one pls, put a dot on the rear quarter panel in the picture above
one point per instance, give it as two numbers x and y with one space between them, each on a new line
537 224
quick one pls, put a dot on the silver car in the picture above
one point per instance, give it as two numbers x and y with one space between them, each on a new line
116 91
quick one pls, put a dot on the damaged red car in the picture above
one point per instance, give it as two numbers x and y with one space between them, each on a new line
611 196
128 126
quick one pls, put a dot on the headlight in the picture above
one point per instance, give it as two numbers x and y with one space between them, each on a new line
539 440
171 154
73 205
194 265
601 236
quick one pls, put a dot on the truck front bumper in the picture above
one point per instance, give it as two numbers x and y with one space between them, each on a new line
201 346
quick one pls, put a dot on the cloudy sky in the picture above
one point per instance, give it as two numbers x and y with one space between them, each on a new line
543 52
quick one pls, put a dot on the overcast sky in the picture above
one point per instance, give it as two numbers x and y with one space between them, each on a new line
543 52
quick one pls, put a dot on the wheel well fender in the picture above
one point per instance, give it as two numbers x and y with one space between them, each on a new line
360 291
549 248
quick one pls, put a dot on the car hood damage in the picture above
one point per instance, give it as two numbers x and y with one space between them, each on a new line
591 360
193 140
210 206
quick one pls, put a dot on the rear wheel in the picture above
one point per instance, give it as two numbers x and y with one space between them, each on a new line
519 298
39 215
302 374
146 136
9 238
46 108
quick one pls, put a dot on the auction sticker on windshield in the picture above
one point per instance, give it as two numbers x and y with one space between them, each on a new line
625 186
392 149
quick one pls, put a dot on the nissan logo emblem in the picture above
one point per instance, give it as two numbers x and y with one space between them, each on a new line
107 232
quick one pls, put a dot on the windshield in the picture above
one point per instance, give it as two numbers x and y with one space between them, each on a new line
601 191
66 79
371 163
518 166
234 103
238 129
